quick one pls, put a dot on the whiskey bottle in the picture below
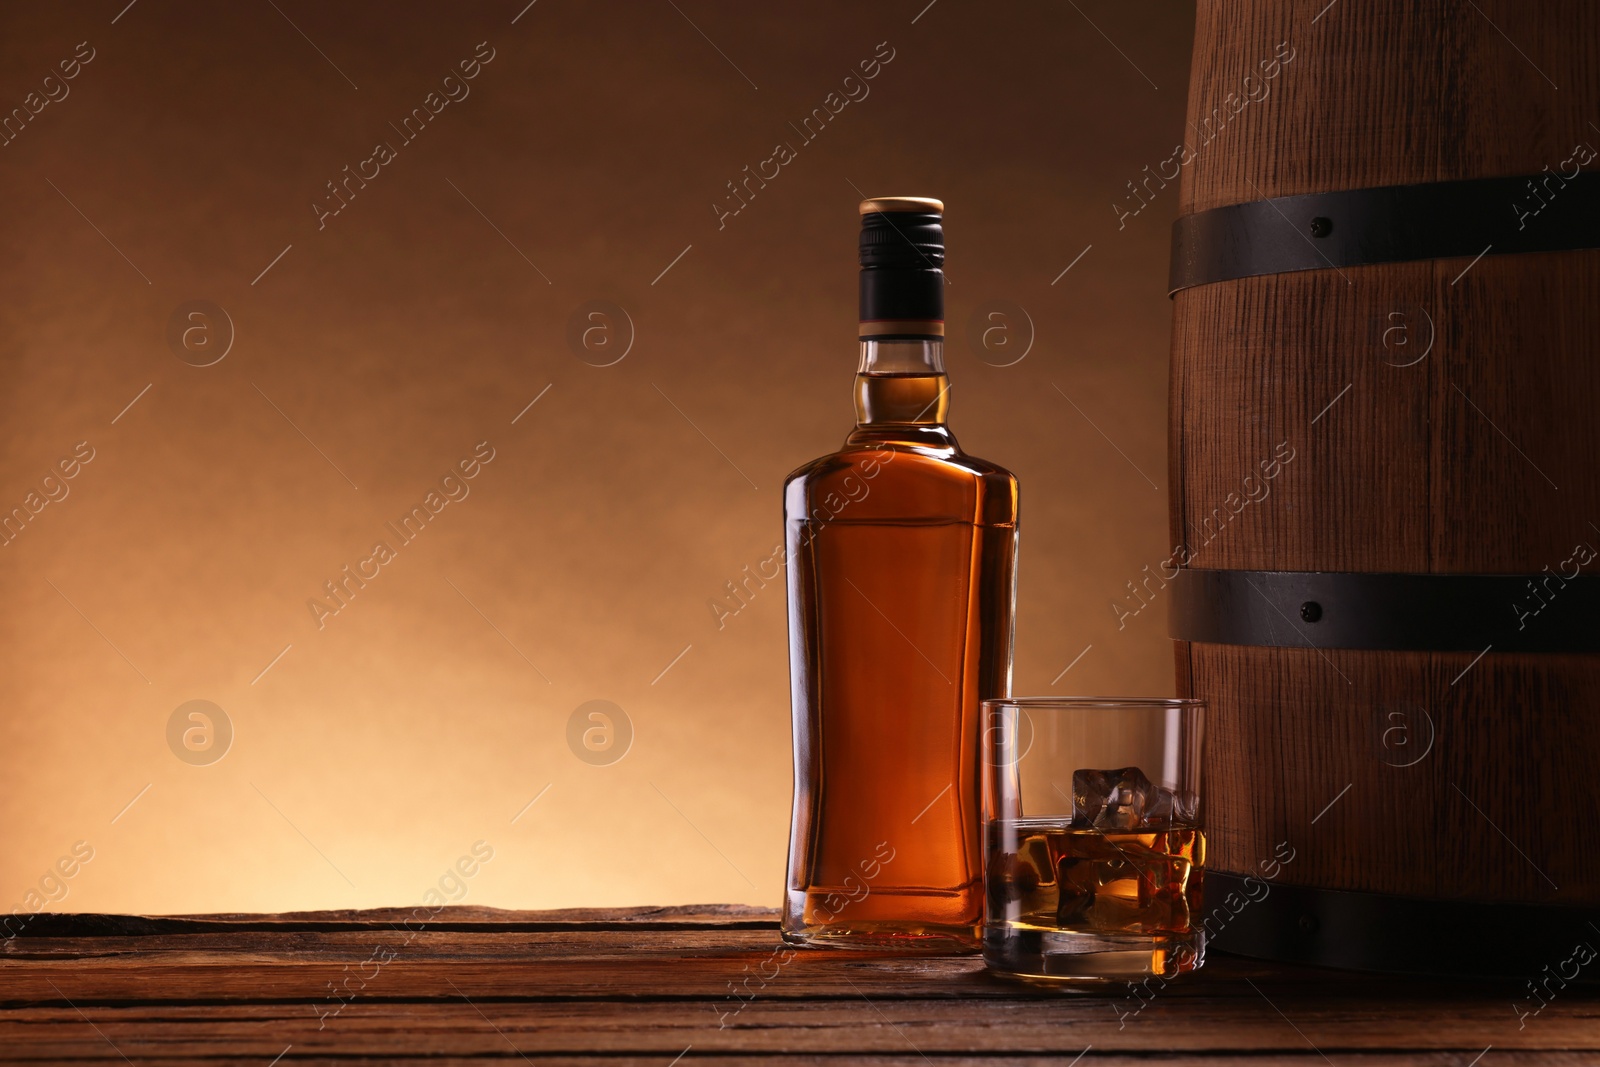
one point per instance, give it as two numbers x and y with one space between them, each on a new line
902 589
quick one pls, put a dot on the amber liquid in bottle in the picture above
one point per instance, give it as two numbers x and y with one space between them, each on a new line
902 555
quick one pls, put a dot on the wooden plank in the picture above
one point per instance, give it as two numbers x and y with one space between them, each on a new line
1060 1059
1384 93
599 988
1306 723
1515 482
1341 101
453 917
251 966
1297 442
865 1024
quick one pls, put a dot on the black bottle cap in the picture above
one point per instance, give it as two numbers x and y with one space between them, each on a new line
902 280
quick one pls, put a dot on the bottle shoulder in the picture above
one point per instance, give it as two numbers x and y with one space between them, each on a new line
908 461
889 480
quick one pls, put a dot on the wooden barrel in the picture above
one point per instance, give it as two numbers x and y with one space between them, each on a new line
1385 457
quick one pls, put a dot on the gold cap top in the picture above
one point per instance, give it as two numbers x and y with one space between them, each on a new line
922 204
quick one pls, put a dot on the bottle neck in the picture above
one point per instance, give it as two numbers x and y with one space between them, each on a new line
902 384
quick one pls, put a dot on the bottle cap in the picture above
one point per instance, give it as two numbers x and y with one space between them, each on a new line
902 280
924 204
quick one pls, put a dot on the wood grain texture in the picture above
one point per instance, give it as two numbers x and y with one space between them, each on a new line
602 987
1441 419
1472 819
1256 365
1478 457
1385 92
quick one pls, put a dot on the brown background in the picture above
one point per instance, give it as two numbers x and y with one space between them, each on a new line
375 751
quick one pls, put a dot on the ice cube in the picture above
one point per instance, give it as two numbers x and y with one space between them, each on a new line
1013 876
1110 800
1170 808
1077 887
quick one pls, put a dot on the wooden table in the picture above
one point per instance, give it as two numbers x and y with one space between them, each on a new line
675 985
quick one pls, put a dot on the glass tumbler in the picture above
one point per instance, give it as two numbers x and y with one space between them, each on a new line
1093 836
